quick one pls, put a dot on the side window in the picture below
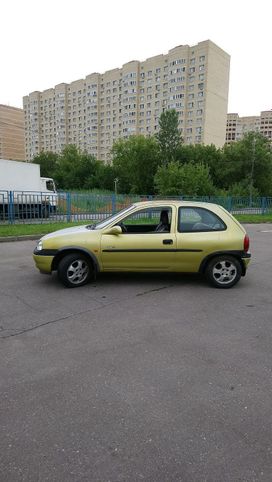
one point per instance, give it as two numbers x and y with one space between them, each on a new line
50 186
149 220
194 219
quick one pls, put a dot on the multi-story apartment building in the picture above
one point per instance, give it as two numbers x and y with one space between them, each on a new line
96 111
12 133
237 126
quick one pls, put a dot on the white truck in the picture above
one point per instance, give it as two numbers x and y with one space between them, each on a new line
24 193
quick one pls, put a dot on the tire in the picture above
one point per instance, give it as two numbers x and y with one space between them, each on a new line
75 270
223 271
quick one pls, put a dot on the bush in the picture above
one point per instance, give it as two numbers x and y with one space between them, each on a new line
189 179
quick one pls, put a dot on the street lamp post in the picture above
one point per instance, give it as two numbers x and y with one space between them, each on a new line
252 171
116 180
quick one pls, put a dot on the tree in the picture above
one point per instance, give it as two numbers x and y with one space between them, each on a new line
135 161
189 179
105 175
48 162
209 155
168 137
206 154
242 189
248 161
76 169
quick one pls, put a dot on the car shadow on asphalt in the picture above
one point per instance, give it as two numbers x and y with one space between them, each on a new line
145 280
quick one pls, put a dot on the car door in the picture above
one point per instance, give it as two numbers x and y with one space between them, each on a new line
198 235
141 248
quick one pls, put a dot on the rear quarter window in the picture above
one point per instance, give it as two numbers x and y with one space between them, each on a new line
195 219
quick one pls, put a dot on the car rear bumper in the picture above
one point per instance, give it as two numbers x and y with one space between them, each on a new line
246 258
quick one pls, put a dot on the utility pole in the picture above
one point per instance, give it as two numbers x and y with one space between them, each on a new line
252 170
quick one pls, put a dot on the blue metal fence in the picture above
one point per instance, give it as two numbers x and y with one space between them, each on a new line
39 207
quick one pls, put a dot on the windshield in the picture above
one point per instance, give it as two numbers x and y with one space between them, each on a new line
111 219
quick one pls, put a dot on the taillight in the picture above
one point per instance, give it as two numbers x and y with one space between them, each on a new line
246 243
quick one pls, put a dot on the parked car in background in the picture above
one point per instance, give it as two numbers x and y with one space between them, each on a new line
165 235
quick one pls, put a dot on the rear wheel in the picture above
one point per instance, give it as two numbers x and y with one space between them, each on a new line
223 271
74 270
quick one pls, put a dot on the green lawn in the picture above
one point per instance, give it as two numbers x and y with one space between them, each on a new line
28 229
254 218
40 229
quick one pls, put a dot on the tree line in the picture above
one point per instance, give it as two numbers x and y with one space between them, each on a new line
163 164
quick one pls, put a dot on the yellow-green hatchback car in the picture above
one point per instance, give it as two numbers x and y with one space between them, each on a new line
173 236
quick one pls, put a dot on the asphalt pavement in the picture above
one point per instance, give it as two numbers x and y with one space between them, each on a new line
136 377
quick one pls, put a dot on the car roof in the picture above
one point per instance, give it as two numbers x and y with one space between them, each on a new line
178 203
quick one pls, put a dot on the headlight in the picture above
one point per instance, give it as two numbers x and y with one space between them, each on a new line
39 246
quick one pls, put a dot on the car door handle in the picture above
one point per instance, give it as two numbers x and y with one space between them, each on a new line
168 241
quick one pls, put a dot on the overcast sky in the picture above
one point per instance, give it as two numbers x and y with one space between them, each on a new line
46 42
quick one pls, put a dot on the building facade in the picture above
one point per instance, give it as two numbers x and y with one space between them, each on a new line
238 126
96 111
12 133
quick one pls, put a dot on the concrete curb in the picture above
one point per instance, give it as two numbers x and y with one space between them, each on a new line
27 237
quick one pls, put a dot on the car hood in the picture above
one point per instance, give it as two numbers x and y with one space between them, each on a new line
68 232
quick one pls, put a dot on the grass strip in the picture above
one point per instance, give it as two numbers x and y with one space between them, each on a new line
33 229
254 218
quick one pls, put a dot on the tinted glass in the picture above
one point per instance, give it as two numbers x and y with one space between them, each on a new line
194 219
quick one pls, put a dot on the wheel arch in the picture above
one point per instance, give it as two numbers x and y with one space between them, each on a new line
74 249
236 254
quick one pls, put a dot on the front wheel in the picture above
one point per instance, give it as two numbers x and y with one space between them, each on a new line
223 271
74 270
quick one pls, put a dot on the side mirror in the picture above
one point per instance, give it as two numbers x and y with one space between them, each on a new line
114 230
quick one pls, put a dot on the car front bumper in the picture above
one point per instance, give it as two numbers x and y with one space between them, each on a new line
43 263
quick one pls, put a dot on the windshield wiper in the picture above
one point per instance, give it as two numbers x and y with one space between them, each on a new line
90 226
